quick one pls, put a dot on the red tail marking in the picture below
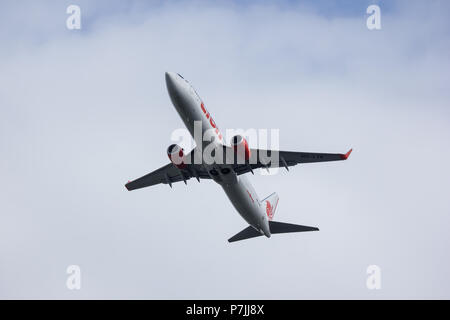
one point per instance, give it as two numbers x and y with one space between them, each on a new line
269 210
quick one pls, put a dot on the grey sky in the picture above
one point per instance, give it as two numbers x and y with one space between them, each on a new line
84 111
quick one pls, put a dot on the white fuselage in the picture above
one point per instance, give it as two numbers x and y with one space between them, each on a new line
238 189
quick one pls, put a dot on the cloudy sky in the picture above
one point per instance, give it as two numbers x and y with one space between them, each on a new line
83 111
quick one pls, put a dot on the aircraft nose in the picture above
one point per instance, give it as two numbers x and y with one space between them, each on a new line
175 88
170 79
173 85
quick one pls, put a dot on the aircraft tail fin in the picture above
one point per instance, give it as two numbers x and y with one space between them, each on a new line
270 204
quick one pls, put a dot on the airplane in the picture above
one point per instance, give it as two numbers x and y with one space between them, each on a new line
230 171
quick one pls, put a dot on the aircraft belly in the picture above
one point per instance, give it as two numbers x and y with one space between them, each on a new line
245 204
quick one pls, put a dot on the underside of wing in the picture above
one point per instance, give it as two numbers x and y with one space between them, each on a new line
168 174
259 158
273 159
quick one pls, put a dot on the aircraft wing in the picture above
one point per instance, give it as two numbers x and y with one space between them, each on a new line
261 159
168 174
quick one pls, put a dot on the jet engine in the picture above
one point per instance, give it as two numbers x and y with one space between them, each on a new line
241 147
176 156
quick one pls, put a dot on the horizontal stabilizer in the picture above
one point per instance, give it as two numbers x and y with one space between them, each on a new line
281 227
247 233
275 227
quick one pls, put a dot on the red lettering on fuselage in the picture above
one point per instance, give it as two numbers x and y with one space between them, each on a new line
250 196
211 120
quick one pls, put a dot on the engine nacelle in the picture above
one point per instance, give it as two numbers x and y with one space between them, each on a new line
241 147
176 156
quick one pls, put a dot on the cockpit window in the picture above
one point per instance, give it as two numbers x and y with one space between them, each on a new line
180 76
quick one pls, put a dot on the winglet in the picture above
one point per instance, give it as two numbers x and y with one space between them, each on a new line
345 156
